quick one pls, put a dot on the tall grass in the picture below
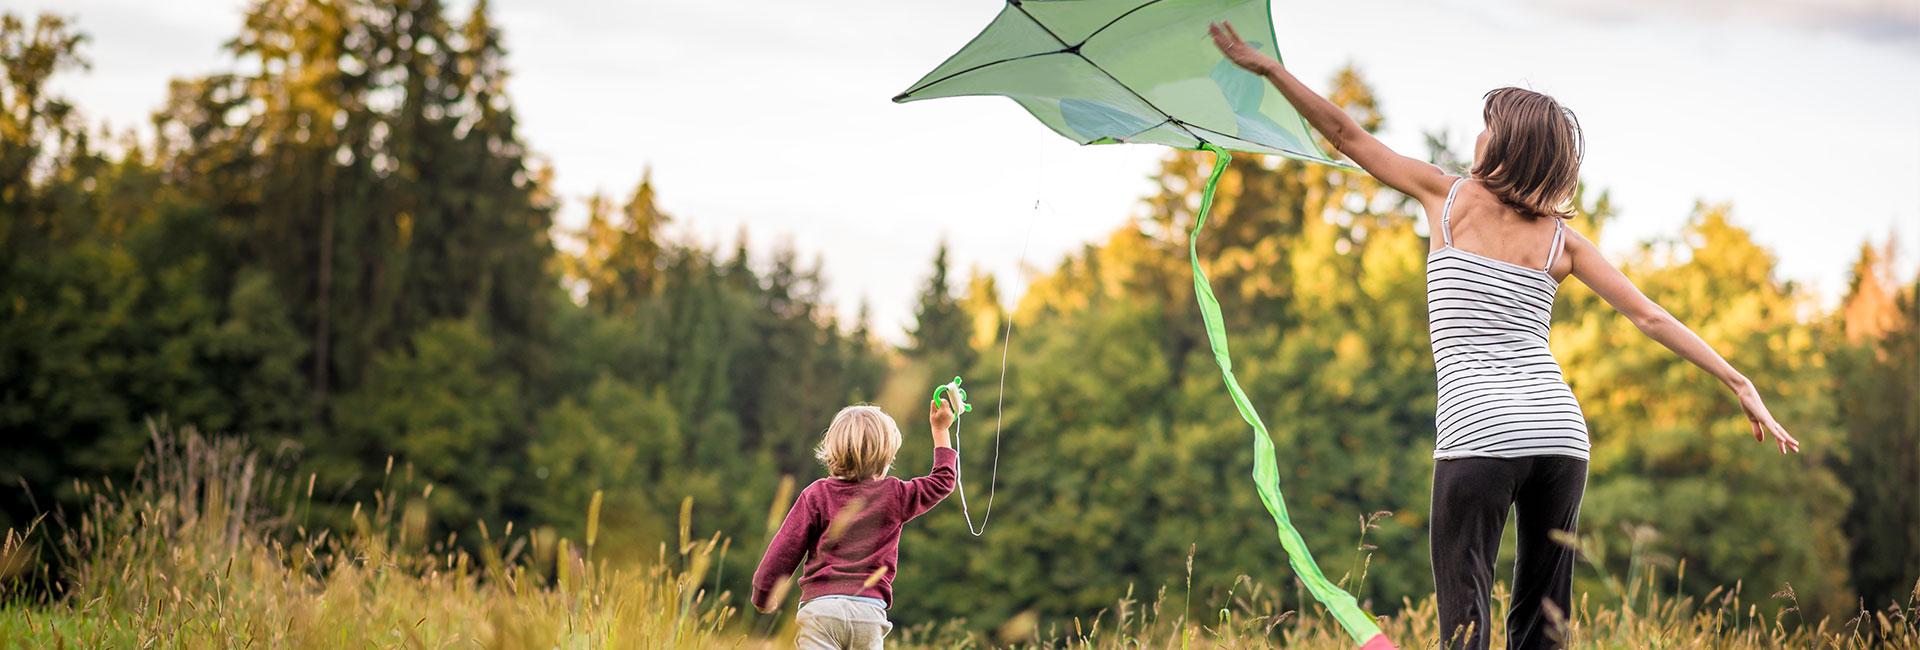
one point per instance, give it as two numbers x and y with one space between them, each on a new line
207 549
210 548
1255 617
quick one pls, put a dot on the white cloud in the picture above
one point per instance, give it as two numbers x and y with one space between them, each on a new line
1886 20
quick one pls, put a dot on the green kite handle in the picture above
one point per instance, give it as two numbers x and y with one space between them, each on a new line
958 394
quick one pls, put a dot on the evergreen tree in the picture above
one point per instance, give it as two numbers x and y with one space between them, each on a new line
866 367
34 126
37 129
986 318
942 334
119 301
1876 370
619 265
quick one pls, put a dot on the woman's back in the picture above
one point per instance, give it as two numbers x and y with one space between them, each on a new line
1481 225
1501 394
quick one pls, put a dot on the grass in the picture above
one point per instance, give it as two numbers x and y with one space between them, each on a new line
208 549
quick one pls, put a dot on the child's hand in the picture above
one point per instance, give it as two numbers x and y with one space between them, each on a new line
939 416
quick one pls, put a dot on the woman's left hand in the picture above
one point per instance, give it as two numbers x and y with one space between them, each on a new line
1238 51
1762 420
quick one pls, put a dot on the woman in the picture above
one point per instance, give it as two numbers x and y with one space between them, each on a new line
1510 433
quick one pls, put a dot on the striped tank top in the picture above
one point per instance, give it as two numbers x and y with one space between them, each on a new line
1501 393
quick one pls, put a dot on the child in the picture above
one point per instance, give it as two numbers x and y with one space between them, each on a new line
847 526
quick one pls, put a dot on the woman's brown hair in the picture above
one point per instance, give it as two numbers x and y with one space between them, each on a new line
1534 147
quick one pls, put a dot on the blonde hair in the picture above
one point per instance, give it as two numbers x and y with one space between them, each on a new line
860 444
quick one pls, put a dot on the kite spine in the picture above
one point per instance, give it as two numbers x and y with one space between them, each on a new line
1266 473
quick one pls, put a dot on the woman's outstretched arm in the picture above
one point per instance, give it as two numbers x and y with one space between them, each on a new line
1416 178
1654 321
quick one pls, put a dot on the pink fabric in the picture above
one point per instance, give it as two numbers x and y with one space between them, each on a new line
1378 642
848 532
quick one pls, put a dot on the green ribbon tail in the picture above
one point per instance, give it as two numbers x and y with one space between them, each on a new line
1266 474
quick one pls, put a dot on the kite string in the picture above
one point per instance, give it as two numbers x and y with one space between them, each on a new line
999 409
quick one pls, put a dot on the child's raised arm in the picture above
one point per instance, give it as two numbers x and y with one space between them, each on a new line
941 419
1416 178
923 493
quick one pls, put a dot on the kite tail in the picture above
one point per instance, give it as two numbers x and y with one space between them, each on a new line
1266 473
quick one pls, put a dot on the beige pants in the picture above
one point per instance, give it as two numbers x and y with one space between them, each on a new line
837 624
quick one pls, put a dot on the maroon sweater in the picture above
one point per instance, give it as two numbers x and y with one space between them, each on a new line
849 532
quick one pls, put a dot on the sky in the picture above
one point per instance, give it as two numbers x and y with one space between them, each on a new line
775 116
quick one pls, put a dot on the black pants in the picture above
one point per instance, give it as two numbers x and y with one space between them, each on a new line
1471 497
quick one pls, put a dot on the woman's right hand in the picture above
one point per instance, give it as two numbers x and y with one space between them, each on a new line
1762 420
1238 51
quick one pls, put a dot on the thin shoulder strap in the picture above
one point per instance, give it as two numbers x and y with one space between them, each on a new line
1559 241
1446 212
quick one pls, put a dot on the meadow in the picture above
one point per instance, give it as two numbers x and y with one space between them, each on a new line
206 548
439 414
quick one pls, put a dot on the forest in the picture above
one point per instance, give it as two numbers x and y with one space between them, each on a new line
341 250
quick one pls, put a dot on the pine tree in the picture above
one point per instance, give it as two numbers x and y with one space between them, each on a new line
986 317
365 157
1876 370
866 368
942 333
1871 308
34 125
640 257
512 203
618 266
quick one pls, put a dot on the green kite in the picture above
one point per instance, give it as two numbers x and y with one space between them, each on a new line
1144 71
